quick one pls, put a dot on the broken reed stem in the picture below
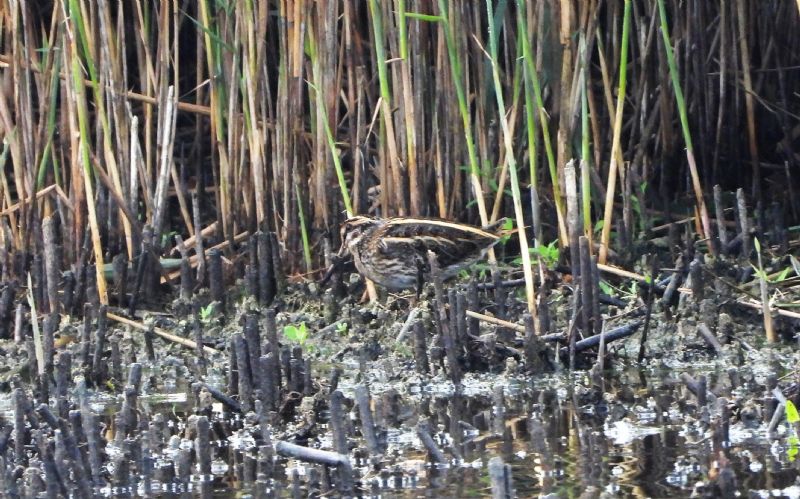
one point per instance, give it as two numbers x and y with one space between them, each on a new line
573 216
687 137
160 332
762 279
530 291
586 193
497 322
615 141
37 336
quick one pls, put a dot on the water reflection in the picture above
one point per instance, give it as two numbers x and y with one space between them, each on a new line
638 435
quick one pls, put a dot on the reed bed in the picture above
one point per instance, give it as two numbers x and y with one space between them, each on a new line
131 123
187 165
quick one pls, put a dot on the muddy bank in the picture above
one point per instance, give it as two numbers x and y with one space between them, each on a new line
451 393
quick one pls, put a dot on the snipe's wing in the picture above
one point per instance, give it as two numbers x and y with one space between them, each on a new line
452 243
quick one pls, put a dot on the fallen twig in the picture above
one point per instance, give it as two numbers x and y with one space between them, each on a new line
160 332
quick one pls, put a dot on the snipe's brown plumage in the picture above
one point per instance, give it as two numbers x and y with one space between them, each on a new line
393 252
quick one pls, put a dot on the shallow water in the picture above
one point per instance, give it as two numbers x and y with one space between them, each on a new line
644 438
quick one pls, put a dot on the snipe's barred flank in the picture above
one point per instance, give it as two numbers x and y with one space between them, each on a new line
392 252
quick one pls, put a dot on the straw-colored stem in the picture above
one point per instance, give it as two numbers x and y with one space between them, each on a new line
530 291
386 109
414 188
744 50
83 153
615 141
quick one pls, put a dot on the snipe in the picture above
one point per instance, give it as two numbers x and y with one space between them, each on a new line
393 252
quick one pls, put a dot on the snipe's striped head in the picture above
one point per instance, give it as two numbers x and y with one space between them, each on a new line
354 229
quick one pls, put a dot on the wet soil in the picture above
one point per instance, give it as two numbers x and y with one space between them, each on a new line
693 417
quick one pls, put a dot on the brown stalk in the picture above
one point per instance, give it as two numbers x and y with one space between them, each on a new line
81 154
567 25
415 194
752 143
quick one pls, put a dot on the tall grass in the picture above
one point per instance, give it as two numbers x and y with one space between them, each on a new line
288 106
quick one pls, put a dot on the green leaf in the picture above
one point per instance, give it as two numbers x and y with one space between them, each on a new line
759 273
794 446
758 244
635 205
296 334
549 254
606 288
206 311
424 17
782 276
791 412
508 224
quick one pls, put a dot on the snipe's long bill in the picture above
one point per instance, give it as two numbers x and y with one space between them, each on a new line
392 252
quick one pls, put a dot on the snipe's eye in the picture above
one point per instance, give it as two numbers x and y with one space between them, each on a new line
348 234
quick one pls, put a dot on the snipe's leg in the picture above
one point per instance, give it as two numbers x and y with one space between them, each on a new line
420 280
422 268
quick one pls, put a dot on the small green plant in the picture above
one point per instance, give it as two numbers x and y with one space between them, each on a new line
792 417
206 312
296 334
762 274
341 328
508 226
482 270
403 350
549 254
632 289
